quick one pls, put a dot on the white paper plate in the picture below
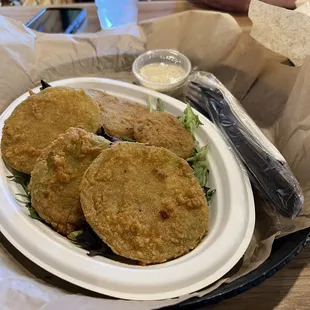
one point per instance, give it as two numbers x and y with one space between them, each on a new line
232 220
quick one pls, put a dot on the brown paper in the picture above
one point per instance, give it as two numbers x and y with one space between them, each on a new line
274 94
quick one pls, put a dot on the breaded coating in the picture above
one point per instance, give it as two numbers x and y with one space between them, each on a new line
39 120
117 115
165 130
144 202
57 174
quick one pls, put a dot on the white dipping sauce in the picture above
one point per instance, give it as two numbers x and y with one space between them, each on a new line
162 73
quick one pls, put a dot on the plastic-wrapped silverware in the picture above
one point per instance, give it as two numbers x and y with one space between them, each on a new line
267 168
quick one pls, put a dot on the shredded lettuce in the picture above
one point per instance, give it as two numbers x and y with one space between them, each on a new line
160 107
75 234
199 161
125 138
151 101
87 239
209 193
189 119
200 165
34 214
23 180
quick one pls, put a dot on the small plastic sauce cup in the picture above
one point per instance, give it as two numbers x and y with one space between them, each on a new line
165 56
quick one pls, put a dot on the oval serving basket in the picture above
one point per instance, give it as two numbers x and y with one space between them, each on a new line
284 250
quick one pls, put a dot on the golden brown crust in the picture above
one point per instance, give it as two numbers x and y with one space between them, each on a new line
164 130
57 175
117 116
39 119
144 202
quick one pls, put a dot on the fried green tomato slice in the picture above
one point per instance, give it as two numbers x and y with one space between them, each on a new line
117 115
39 119
57 174
144 202
164 130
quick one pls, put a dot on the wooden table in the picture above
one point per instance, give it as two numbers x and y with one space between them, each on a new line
288 289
